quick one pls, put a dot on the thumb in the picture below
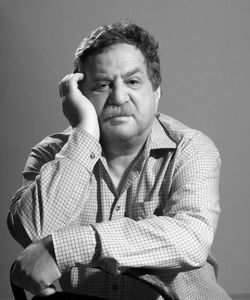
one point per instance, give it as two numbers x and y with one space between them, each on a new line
49 290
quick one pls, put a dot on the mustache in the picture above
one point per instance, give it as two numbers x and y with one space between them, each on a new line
112 111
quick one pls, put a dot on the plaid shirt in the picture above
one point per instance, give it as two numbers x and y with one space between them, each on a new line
163 218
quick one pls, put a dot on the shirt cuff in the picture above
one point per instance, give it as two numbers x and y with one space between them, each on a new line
74 245
82 147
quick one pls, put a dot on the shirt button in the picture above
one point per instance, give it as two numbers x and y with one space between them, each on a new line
117 208
92 155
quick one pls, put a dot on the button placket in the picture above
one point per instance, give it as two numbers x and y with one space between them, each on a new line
117 212
119 207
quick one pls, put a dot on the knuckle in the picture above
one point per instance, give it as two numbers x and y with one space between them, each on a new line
36 285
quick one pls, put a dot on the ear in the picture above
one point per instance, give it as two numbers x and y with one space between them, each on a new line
157 94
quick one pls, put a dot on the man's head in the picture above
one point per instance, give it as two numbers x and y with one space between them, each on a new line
122 80
125 32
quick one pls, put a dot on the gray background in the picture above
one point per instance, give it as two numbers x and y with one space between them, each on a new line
205 47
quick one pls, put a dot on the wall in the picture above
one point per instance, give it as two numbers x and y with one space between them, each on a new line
205 64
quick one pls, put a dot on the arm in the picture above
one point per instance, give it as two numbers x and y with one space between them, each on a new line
34 212
180 239
43 205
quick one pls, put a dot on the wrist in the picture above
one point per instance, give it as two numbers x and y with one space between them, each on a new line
91 127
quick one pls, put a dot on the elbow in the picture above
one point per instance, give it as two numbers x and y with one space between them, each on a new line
197 250
197 258
16 229
10 224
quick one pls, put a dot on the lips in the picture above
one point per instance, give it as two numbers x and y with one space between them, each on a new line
119 115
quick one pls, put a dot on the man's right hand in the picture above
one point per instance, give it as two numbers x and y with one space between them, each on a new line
76 107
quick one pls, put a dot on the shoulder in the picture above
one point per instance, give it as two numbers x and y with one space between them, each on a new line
187 139
52 144
44 152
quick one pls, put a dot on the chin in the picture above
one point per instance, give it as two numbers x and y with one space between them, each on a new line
119 133
123 135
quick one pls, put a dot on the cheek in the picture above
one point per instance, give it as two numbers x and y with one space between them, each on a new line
97 105
147 106
97 101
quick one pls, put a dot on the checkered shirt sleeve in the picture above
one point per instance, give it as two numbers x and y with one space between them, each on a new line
42 205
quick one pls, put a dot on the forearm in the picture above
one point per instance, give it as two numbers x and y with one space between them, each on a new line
55 197
154 243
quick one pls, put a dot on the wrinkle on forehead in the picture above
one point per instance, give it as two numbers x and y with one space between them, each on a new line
124 59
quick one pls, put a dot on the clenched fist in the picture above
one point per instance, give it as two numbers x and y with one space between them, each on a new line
35 269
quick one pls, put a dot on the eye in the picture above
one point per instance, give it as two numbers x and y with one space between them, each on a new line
102 86
134 82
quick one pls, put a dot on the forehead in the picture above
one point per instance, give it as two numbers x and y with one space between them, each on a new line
117 58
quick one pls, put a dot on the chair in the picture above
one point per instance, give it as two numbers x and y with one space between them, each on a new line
139 274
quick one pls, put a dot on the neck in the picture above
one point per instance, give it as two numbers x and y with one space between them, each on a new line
120 157
122 149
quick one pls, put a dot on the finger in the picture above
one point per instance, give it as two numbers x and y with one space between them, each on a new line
72 84
72 77
69 82
77 76
47 291
63 86
60 89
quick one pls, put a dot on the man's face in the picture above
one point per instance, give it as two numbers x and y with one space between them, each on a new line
117 84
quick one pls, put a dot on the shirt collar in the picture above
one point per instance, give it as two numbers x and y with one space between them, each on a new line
160 138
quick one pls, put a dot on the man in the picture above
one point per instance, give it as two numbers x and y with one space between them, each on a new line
125 189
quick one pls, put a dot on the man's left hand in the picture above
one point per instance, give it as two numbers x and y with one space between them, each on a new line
35 269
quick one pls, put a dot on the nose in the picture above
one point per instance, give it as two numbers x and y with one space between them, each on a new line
119 94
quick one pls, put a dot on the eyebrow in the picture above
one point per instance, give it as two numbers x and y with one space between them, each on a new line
132 72
103 76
